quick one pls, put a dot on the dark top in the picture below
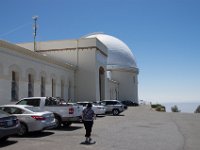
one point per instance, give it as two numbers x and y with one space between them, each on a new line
88 114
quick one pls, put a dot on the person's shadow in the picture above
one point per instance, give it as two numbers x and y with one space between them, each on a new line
88 143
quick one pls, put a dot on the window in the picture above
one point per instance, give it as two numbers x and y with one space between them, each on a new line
30 85
133 79
109 103
62 88
51 102
42 86
53 85
32 102
12 110
69 90
16 110
14 86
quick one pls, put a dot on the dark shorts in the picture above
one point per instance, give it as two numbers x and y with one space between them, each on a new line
88 127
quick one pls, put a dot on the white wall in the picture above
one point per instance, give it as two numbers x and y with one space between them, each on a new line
101 61
88 55
128 84
112 90
13 59
87 75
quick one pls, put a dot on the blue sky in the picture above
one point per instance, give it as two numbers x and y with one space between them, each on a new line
164 36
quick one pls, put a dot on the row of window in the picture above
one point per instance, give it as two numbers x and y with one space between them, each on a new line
15 86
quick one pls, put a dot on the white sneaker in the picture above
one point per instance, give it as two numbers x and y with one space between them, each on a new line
87 140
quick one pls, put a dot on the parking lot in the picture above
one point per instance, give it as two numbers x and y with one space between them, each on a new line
137 128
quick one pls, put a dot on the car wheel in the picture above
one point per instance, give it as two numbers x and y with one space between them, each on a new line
22 130
58 122
67 124
115 112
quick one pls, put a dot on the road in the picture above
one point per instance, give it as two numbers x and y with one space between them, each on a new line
138 128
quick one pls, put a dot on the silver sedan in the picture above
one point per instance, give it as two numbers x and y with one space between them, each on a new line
31 118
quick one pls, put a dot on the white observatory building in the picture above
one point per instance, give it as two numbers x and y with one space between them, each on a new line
92 68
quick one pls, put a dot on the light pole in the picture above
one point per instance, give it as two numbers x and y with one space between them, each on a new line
35 30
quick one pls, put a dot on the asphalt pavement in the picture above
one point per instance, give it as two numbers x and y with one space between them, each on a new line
138 128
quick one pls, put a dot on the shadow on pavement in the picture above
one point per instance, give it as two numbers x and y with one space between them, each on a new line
120 115
100 116
71 128
36 134
7 143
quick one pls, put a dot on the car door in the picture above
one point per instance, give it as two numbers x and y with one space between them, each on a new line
109 106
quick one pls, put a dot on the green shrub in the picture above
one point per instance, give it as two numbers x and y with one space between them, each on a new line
158 107
175 109
155 105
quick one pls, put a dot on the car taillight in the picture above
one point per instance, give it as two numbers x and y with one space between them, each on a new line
38 117
71 110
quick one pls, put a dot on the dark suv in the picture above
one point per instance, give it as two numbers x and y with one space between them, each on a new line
129 103
113 106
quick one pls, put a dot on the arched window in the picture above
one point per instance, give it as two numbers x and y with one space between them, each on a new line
42 86
30 85
14 86
101 83
69 91
53 86
134 79
62 89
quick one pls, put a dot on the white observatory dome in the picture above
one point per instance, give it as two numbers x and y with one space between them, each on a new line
119 54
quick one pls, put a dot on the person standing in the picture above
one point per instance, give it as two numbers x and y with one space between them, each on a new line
88 117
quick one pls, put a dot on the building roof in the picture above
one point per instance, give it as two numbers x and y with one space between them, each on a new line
119 54
13 48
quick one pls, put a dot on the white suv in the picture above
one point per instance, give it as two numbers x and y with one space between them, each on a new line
98 109
113 106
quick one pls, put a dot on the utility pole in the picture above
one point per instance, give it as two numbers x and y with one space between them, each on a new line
35 30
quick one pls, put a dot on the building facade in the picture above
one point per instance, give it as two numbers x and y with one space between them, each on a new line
85 69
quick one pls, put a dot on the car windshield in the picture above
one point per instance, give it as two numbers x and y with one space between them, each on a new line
34 109
33 102
3 113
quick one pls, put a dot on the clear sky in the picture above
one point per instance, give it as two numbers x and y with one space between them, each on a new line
164 36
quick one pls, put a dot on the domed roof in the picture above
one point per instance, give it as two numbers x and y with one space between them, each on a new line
119 54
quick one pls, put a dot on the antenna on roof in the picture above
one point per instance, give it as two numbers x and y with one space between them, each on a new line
35 30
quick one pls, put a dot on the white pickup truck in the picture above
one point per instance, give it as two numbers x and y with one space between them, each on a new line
65 114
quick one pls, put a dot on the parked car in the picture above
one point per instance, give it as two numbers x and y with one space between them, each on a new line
9 125
31 118
98 109
113 106
73 104
129 103
142 102
64 114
